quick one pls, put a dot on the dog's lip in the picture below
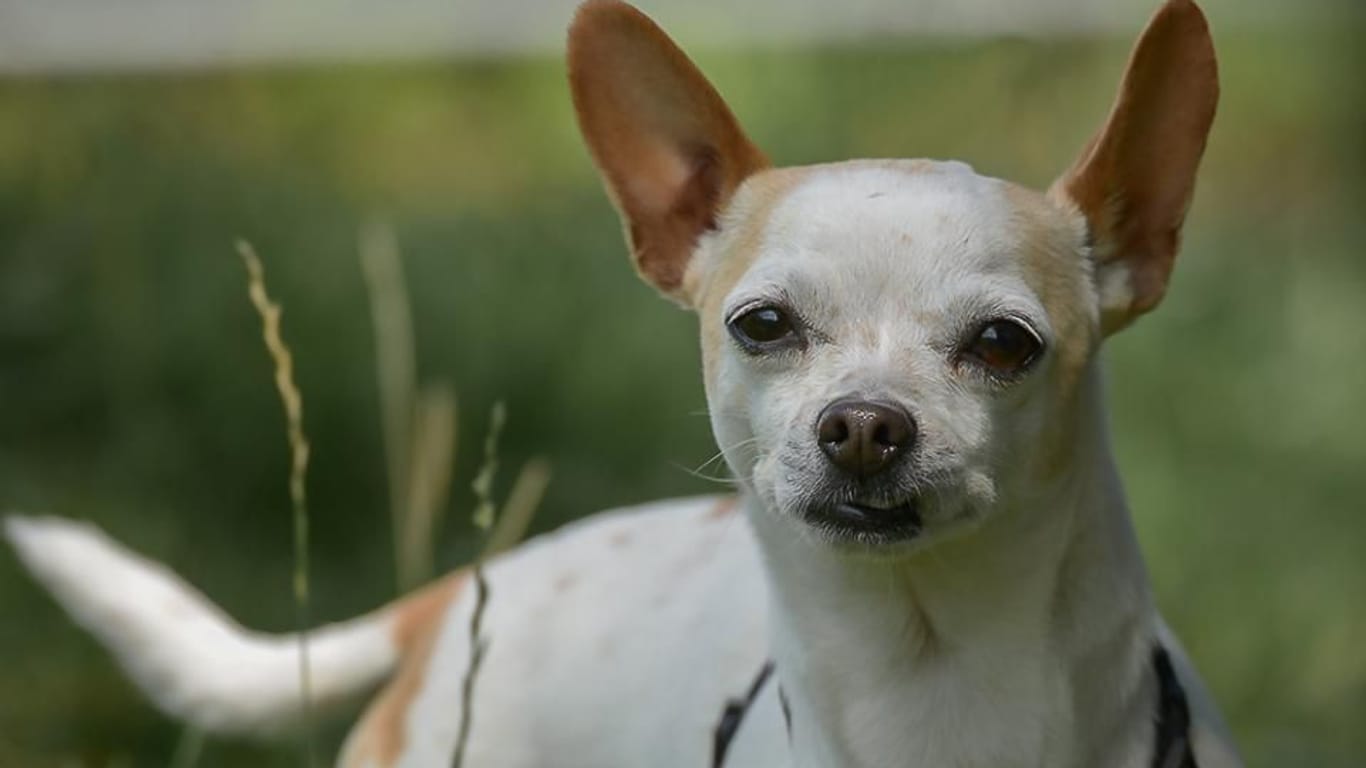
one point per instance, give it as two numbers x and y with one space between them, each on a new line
890 520
879 514
880 507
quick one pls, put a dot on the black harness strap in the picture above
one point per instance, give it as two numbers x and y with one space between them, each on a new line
1173 717
733 714
1173 749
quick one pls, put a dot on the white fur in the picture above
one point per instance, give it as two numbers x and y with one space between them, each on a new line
192 660
614 642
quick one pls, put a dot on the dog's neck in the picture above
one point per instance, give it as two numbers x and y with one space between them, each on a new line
1007 646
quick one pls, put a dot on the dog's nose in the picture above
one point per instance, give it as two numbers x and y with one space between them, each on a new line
863 438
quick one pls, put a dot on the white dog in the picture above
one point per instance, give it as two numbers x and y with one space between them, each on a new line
930 562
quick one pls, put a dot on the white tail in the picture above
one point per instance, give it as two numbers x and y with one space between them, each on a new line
186 654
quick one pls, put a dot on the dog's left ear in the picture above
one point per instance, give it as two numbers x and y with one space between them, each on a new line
1135 179
669 149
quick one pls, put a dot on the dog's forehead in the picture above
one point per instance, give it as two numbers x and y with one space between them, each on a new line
870 195
875 221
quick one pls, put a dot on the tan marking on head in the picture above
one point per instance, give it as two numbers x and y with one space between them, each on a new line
748 219
379 737
1058 270
619 539
564 581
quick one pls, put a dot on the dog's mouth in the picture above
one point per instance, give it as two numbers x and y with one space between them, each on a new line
871 522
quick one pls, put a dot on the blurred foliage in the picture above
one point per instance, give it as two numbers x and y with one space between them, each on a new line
134 390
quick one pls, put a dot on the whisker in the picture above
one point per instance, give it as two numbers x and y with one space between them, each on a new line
721 453
709 462
726 481
699 472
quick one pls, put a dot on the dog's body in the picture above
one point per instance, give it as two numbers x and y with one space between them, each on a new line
931 543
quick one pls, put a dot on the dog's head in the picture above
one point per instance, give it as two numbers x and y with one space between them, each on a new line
892 348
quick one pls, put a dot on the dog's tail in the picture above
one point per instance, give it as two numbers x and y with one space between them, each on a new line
189 657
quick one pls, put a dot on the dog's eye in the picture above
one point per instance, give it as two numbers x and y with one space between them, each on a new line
1005 346
763 328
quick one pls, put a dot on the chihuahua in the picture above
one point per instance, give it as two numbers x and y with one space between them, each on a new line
930 562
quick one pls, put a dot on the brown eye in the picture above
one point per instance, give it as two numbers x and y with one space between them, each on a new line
762 328
1005 346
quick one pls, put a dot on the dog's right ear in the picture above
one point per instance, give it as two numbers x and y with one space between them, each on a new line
669 150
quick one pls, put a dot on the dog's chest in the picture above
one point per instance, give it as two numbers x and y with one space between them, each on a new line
975 725
924 667
997 712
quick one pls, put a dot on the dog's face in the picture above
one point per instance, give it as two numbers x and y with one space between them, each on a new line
892 348
889 346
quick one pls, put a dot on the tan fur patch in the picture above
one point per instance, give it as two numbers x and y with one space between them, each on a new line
1057 270
723 509
1059 273
379 737
708 284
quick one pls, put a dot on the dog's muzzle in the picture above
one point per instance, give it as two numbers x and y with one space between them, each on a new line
864 442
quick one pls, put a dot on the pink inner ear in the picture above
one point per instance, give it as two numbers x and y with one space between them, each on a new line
658 180
699 198
681 209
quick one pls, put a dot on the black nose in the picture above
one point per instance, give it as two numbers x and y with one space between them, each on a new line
863 438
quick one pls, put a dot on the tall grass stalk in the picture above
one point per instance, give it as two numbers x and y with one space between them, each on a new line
395 372
429 481
419 425
484 517
298 445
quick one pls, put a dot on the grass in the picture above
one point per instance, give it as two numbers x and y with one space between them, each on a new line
128 353
293 403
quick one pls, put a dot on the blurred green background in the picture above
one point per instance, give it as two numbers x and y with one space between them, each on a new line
134 390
